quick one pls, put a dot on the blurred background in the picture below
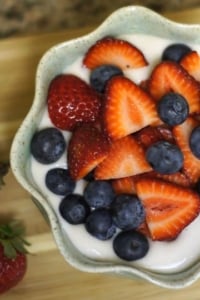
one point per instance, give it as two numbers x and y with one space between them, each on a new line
20 17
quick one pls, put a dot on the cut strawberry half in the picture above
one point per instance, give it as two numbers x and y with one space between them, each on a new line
149 135
114 52
124 185
87 148
191 63
169 208
178 178
127 108
125 158
169 76
191 164
143 228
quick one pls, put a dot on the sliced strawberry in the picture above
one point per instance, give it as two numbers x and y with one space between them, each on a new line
72 101
191 63
114 52
144 85
143 228
178 178
87 148
169 208
149 135
124 185
125 158
191 165
127 108
170 76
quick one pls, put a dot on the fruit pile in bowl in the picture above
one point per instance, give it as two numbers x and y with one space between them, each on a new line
113 157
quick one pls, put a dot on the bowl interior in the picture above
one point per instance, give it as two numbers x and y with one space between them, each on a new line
132 19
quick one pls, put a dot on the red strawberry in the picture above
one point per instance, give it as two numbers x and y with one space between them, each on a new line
87 148
114 52
124 185
13 261
127 108
178 178
169 208
170 76
191 165
144 85
72 101
149 135
143 228
125 158
191 63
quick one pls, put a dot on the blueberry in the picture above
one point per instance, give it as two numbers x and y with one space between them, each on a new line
59 182
101 75
99 193
164 157
47 145
127 211
100 224
194 141
175 52
130 245
173 109
74 209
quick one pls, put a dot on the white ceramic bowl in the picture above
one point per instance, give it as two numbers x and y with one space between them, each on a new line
131 19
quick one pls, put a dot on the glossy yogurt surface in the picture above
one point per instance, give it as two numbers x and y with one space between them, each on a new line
166 257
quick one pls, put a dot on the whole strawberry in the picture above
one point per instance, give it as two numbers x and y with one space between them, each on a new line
72 101
13 261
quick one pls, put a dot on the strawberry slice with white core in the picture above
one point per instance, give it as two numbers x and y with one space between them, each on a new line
115 52
169 208
191 164
169 76
191 63
127 108
125 158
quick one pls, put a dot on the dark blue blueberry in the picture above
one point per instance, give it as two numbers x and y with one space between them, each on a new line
173 109
175 52
47 145
164 157
100 224
127 211
59 182
130 245
194 142
74 209
99 193
101 75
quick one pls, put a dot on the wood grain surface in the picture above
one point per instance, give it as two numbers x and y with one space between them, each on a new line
48 276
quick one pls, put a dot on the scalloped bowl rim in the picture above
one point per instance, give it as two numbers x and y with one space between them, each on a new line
19 148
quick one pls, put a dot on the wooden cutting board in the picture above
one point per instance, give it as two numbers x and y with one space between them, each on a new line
48 276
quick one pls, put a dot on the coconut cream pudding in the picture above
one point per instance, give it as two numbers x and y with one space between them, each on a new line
117 152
